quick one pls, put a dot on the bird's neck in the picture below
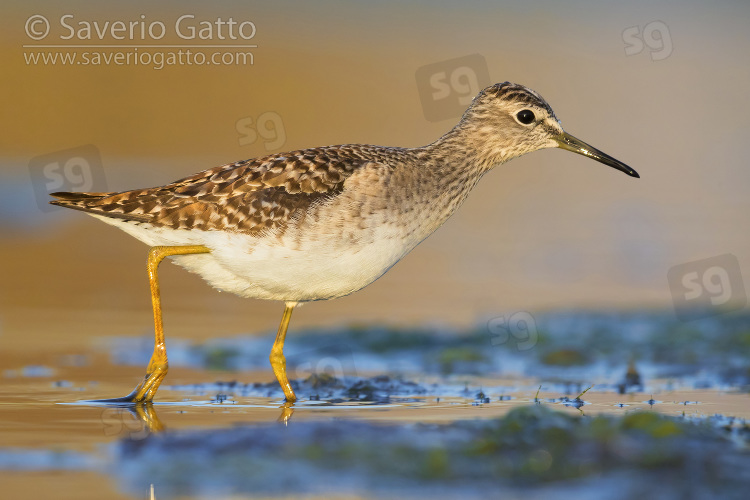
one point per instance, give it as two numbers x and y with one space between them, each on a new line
449 168
469 147
462 156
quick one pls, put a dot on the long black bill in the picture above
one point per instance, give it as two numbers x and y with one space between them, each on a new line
567 141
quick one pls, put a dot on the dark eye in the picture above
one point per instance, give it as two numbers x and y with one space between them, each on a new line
525 116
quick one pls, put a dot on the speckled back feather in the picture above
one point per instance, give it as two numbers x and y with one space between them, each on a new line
247 196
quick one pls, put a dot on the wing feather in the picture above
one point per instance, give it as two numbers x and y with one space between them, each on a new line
248 196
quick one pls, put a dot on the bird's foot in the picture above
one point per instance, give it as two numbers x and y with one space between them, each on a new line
144 393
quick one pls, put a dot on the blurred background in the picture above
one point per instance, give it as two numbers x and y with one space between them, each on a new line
661 86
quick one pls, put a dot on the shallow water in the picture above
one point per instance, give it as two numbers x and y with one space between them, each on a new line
393 414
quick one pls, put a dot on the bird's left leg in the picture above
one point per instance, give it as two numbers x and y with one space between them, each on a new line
158 366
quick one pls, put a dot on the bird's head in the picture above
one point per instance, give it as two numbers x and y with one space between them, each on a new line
507 120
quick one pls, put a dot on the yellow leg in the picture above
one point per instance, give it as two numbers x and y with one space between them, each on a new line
278 362
158 366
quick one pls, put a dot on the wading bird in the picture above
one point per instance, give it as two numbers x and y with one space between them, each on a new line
321 223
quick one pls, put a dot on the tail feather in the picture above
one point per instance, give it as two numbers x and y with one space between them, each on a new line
64 195
86 202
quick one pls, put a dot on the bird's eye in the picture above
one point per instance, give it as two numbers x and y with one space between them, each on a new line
526 116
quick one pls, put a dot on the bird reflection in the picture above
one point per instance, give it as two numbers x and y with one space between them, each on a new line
140 420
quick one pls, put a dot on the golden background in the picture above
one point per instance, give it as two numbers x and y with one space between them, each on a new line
547 231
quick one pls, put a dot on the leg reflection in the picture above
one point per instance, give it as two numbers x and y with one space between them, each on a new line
287 410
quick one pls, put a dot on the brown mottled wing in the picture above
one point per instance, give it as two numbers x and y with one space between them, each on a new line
248 196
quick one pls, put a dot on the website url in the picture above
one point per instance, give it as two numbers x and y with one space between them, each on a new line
156 60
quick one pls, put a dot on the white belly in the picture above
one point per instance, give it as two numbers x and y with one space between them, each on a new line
291 268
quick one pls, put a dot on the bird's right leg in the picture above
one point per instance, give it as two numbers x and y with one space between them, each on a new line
278 361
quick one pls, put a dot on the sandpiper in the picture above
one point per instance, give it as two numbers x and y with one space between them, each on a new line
321 223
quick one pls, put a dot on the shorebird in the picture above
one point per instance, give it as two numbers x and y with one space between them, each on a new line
321 223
